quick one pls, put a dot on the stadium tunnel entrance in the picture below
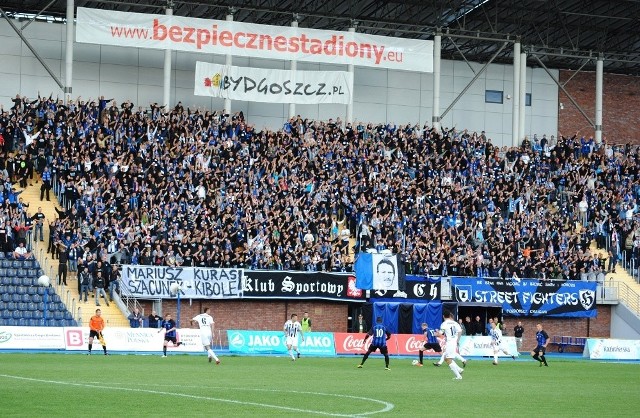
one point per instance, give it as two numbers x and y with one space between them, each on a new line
484 311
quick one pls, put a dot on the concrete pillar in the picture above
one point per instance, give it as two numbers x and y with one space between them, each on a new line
228 61
515 111
166 92
350 69
599 83
437 49
68 59
293 68
523 94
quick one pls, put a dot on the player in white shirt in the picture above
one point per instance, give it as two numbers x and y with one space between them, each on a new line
291 330
496 343
452 332
205 322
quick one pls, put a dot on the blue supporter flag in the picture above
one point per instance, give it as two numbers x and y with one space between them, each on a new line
379 271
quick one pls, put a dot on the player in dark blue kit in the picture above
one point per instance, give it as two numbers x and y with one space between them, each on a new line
169 327
542 339
379 336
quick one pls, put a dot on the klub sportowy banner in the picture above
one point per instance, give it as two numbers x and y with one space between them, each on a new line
138 30
611 349
529 297
273 86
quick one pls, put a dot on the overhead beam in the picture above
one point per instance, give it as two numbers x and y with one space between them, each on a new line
33 51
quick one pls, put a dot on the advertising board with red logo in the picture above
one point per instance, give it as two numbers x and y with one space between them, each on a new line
398 344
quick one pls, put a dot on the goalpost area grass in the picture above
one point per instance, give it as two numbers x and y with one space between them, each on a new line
77 385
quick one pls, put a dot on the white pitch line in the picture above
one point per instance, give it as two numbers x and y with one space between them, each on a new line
388 406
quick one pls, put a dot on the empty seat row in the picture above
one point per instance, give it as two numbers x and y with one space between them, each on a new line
23 322
13 273
27 264
28 297
30 306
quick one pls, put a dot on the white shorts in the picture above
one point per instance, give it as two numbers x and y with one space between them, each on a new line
450 349
292 341
205 337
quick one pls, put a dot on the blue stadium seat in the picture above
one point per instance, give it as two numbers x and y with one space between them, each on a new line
40 306
22 272
11 306
12 322
70 323
58 315
30 281
67 315
60 323
22 322
27 264
5 280
52 292
2 255
16 297
36 298
26 298
33 273
22 306
6 297
11 272
27 314
16 264
17 314
33 323
51 322
54 298
37 314
3 272
6 314
3 306
5 263
32 290
40 272
11 289
41 290
15 280
21 290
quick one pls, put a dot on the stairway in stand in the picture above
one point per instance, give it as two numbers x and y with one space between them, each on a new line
81 311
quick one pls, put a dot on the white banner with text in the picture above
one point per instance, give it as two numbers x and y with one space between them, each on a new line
481 346
138 30
195 283
611 349
273 86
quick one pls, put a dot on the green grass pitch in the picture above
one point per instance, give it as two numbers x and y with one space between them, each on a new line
65 385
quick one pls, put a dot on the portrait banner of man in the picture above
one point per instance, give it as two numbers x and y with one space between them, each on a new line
379 271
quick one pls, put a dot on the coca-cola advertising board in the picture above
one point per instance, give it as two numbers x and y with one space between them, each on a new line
410 344
398 344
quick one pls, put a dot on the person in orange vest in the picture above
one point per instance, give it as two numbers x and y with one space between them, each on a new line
96 325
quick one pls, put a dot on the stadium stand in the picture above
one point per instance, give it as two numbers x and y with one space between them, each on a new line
193 187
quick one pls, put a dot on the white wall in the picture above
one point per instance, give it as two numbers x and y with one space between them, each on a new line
379 95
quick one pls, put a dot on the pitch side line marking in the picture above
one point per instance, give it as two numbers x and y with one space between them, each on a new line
388 406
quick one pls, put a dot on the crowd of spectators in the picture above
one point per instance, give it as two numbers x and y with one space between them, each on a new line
197 187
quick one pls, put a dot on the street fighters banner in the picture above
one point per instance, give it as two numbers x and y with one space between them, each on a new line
417 289
273 86
530 297
299 285
195 283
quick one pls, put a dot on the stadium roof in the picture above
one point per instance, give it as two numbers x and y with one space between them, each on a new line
562 33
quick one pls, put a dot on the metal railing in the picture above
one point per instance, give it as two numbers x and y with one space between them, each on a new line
617 290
